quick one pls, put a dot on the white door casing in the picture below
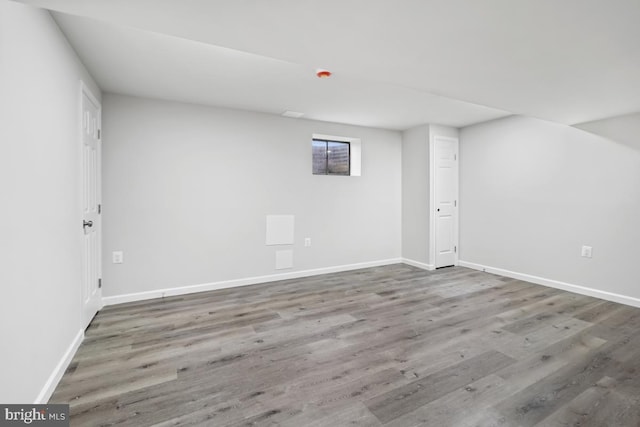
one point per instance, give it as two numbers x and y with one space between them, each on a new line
91 206
445 201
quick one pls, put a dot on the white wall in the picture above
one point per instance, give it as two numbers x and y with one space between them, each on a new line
40 216
534 192
415 194
187 189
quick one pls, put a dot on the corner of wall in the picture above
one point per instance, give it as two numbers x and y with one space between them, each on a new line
415 143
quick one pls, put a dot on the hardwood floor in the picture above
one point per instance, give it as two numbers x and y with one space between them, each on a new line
386 346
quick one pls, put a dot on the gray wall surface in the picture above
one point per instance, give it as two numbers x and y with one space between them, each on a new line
415 194
186 190
533 192
40 243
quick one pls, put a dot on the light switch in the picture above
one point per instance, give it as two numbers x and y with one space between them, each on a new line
117 257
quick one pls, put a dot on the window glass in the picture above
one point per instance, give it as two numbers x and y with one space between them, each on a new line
319 157
331 157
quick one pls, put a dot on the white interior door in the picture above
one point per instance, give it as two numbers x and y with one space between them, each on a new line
446 201
91 207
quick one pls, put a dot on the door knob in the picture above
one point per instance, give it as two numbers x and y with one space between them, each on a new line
86 224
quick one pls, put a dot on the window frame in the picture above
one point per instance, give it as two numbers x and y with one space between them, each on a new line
355 149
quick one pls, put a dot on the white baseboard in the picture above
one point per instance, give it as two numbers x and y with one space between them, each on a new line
183 290
56 375
582 290
418 264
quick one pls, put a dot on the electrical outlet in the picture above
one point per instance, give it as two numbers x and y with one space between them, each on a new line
586 251
307 241
117 257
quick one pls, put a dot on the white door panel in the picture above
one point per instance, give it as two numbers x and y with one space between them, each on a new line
446 201
91 224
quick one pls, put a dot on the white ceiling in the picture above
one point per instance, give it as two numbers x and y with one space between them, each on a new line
131 61
396 63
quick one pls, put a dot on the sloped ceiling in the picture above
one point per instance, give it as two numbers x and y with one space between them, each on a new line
624 129
396 64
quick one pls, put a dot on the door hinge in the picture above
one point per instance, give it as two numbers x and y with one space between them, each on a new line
99 209
455 157
99 133
99 283
455 249
455 204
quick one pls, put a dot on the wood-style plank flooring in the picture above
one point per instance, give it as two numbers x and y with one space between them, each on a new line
387 346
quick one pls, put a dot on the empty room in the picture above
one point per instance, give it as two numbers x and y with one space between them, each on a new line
320 213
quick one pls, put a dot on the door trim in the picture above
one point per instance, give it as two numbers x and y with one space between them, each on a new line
432 199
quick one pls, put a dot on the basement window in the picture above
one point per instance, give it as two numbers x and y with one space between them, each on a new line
331 157
334 155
